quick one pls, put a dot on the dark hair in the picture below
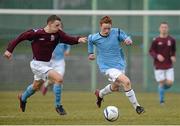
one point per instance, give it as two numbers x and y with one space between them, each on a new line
106 19
53 18
163 22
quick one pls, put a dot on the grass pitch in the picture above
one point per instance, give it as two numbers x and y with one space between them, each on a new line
81 109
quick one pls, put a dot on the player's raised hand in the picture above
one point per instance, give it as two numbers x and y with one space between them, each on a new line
128 41
82 40
91 57
173 59
160 57
7 54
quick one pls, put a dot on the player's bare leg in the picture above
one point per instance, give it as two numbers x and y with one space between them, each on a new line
57 81
31 89
124 80
44 87
168 84
55 77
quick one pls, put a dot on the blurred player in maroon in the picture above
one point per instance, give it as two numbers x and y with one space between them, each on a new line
163 51
43 42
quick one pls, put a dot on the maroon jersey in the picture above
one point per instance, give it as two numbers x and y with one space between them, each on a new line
167 48
42 43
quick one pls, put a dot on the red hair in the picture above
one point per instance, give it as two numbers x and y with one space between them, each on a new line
106 20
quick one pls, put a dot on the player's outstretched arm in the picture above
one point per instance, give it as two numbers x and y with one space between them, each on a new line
7 54
91 55
28 35
71 40
82 40
124 37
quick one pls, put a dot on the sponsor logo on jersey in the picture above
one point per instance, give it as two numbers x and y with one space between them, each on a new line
41 39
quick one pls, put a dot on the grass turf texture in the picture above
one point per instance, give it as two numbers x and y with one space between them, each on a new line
81 109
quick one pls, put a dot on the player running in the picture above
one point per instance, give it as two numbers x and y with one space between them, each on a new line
57 63
163 51
43 42
111 60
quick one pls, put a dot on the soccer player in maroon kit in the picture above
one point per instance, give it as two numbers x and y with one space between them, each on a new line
163 51
43 42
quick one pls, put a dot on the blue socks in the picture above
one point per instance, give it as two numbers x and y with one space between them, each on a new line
27 93
57 92
161 93
166 86
56 89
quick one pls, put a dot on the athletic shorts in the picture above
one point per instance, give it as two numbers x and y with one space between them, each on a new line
161 75
40 69
58 65
113 74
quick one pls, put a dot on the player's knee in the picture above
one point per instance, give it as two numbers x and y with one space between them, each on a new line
127 83
59 80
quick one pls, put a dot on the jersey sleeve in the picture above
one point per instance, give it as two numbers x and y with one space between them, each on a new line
28 35
122 36
90 45
173 49
67 39
152 50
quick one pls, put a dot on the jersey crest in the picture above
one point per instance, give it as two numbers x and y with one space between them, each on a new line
52 37
169 43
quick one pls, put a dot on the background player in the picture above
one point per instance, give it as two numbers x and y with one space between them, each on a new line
111 60
44 40
163 51
57 63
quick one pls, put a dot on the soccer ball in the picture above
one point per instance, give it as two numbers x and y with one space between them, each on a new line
111 113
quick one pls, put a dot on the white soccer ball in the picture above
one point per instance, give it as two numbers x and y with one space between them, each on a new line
111 113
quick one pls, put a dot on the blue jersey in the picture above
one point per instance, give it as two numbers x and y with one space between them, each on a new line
109 52
58 53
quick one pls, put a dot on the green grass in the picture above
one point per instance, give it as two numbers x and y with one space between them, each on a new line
81 109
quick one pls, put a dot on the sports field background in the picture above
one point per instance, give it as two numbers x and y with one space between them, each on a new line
16 74
78 97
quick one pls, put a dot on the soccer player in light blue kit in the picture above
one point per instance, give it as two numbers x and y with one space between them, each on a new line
111 60
57 62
